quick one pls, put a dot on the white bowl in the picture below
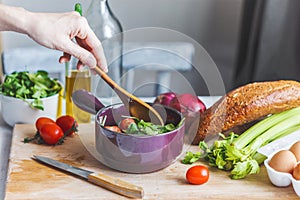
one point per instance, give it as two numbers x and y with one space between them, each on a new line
16 111
281 179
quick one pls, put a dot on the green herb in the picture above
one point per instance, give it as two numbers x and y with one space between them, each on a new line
25 85
239 153
147 128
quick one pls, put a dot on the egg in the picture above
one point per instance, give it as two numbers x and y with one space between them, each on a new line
283 161
296 172
295 149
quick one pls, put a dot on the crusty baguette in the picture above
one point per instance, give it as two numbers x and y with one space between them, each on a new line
246 104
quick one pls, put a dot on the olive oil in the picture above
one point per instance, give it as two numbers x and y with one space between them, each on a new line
76 80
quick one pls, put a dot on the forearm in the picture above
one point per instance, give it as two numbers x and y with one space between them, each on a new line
14 19
56 31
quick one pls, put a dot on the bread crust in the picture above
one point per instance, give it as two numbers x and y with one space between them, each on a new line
246 104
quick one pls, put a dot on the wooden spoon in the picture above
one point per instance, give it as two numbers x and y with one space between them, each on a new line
137 107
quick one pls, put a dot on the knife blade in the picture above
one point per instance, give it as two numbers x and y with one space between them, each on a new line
280 143
113 184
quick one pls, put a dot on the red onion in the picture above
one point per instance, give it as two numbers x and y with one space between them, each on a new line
165 98
189 105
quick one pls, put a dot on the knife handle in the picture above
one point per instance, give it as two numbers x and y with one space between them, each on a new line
116 185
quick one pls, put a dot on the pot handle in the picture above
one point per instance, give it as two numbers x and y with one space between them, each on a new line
86 101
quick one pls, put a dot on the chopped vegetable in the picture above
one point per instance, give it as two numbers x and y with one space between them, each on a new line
132 125
239 153
140 127
113 128
25 85
124 124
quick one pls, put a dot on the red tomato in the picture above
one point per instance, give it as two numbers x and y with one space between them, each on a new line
42 121
67 124
51 133
197 175
113 128
124 124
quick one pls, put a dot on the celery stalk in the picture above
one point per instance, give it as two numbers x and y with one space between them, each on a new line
260 158
286 132
273 132
260 127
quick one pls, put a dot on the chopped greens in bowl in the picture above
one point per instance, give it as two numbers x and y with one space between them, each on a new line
147 128
140 127
25 85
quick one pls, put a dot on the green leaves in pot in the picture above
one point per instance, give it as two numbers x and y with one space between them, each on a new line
25 85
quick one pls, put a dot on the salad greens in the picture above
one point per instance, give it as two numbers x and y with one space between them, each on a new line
25 85
140 127
238 153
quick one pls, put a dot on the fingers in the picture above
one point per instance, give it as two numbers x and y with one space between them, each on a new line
65 58
80 53
98 50
84 56
90 42
88 49
80 64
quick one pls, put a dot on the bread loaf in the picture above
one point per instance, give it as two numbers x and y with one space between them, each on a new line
246 104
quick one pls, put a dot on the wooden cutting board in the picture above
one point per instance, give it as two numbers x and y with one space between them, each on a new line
28 179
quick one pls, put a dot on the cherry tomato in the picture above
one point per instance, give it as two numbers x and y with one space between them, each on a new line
113 128
197 175
42 121
67 124
51 133
124 124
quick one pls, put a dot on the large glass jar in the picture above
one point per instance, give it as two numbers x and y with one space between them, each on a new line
108 29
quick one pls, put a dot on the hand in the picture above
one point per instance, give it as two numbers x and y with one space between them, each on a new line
57 31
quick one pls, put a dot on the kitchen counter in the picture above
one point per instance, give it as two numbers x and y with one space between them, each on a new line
6 139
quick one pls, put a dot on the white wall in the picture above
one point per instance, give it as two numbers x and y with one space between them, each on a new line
212 23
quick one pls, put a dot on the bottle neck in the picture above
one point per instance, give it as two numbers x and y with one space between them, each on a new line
103 5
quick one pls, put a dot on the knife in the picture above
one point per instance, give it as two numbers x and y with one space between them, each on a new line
281 143
114 184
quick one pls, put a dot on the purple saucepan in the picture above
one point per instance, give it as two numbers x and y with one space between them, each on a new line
134 153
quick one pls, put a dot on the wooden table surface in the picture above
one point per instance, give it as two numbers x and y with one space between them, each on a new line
28 179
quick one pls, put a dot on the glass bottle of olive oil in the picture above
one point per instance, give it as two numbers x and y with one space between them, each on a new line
75 80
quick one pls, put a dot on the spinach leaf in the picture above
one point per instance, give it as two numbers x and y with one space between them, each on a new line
147 128
25 85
